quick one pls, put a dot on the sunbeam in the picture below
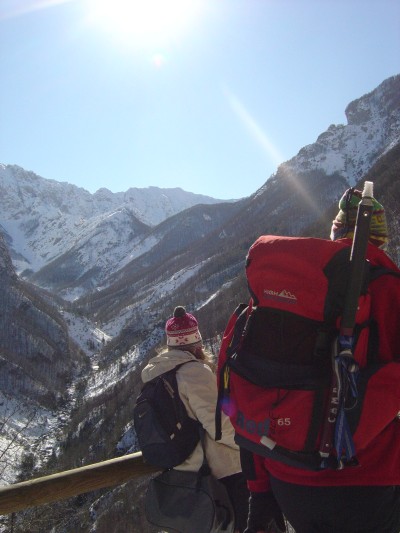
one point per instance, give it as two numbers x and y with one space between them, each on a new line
272 152
11 9
254 129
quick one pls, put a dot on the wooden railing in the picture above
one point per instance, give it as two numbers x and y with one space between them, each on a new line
70 483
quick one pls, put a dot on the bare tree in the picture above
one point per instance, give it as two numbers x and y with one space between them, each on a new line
13 440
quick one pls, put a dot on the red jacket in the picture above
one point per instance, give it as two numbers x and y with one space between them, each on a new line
380 460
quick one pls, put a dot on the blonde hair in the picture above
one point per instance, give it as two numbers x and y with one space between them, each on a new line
198 351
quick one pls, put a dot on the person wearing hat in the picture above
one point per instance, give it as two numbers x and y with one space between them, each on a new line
197 388
363 498
345 221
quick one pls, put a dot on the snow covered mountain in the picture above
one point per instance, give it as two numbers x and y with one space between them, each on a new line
44 219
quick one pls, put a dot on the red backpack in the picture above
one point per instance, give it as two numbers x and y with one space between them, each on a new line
275 361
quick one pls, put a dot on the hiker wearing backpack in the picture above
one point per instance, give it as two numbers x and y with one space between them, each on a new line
198 390
328 456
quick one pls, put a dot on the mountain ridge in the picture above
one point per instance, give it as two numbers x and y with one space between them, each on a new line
43 218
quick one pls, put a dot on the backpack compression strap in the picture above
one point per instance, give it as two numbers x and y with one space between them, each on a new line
240 317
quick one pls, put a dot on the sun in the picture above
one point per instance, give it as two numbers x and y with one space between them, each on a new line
144 22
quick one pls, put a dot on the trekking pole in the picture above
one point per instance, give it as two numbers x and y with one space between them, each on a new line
336 432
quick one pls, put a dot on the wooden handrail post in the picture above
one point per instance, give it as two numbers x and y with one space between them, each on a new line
70 483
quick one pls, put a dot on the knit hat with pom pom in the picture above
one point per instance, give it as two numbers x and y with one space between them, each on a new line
182 329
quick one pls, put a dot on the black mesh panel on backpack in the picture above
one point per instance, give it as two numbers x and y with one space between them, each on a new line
281 349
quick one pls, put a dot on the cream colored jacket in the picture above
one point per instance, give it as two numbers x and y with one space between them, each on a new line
197 387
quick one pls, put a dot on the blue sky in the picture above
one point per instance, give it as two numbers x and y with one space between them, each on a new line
210 96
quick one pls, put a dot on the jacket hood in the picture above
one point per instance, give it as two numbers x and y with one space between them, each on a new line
164 362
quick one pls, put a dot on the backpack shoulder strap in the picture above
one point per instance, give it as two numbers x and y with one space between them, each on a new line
234 335
175 369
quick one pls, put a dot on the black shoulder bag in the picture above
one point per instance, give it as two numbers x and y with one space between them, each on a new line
189 502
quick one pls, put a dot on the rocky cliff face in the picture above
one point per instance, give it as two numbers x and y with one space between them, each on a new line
350 150
7 271
37 358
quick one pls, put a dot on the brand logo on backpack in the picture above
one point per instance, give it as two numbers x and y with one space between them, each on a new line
283 295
